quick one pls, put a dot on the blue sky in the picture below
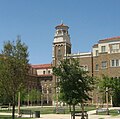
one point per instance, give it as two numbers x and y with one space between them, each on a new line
35 21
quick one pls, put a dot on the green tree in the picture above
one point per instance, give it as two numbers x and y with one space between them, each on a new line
75 83
116 91
33 96
13 70
105 85
113 85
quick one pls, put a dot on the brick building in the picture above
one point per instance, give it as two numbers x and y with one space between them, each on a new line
44 75
104 59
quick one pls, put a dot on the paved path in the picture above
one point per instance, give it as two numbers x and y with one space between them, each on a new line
68 116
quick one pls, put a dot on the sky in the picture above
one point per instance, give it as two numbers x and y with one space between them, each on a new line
34 20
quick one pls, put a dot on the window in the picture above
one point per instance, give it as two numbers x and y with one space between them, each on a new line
104 64
64 31
59 32
115 63
103 49
97 67
84 67
59 53
43 72
115 48
48 71
112 63
96 52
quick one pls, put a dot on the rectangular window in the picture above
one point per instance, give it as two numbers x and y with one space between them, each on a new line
43 72
112 63
115 63
104 64
96 52
97 67
49 72
103 49
115 46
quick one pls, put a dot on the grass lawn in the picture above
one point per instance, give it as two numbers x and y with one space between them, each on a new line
111 112
44 110
51 110
9 117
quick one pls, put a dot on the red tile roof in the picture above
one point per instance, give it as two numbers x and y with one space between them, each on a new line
42 66
110 39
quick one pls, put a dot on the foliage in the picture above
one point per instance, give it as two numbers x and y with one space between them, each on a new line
113 85
13 70
116 91
74 82
34 95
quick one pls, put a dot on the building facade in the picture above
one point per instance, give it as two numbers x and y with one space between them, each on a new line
103 59
44 75
106 57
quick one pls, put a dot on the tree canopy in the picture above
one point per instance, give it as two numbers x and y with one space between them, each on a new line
13 69
74 82
113 85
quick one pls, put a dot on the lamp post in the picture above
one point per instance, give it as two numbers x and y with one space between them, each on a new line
18 104
97 100
47 95
28 100
42 97
57 100
107 100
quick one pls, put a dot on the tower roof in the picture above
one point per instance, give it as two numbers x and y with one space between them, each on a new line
61 25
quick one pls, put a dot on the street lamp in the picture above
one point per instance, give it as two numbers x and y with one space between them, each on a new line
97 100
107 100
57 100
18 104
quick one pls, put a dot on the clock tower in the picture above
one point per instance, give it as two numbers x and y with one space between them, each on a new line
61 43
61 47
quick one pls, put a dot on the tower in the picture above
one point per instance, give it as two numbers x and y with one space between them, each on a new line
61 47
61 43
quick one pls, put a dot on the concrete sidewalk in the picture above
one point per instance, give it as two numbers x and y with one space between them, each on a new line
68 116
91 115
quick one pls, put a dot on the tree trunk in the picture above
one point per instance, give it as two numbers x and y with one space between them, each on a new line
13 107
70 108
82 106
13 110
73 111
